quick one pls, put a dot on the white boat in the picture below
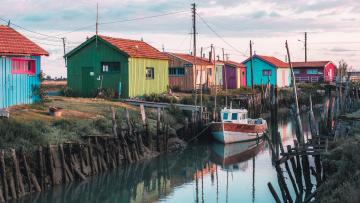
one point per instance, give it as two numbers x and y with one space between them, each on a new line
235 126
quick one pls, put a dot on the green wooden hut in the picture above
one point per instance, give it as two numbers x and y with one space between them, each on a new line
131 68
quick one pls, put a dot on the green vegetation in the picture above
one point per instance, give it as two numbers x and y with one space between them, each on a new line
343 163
31 125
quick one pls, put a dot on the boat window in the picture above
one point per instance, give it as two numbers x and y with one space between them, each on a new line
234 116
225 116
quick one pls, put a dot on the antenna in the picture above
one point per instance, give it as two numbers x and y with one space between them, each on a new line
97 18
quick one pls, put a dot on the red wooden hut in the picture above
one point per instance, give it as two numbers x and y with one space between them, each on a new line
314 71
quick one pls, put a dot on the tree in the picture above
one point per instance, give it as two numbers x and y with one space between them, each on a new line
342 68
48 77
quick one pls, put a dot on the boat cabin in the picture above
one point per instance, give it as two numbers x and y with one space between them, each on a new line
234 115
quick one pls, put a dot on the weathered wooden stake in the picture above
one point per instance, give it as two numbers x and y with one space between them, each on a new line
299 129
3 174
273 192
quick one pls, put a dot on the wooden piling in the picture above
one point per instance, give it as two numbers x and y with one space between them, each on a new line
273 192
3 174
158 132
27 171
17 174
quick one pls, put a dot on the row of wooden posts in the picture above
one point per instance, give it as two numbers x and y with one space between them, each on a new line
345 100
22 173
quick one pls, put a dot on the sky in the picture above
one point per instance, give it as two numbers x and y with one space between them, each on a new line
333 26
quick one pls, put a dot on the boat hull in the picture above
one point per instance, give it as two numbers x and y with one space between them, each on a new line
234 132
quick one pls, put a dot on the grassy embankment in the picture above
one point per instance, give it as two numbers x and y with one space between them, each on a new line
285 96
343 163
31 125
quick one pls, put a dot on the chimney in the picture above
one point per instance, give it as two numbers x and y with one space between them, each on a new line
218 57
203 56
210 56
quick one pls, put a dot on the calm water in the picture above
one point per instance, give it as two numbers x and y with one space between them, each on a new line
206 172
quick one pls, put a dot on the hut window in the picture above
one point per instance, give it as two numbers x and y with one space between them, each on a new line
176 71
312 72
266 72
23 66
108 67
225 116
149 73
210 72
234 116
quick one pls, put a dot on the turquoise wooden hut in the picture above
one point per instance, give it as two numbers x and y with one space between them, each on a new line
20 61
267 68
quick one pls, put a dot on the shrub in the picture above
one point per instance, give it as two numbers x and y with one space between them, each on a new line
67 92
18 134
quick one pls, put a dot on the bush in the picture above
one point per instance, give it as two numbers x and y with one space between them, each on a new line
67 92
107 93
18 134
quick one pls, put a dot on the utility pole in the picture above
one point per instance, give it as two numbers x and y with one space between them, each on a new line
194 48
97 24
63 39
225 78
214 82
251 67
194 27
201 88
97 18
305 46
64 47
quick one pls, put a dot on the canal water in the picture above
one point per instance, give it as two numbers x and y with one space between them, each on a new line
204 172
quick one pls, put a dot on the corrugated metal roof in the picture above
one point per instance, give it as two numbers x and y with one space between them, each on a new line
310 64
13 43
135 48
190 58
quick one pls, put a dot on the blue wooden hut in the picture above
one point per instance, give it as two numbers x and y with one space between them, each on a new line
19 68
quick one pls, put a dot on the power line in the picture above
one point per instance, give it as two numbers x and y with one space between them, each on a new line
219 36
142 18
38 33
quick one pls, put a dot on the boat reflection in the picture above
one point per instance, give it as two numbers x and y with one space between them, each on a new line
234 156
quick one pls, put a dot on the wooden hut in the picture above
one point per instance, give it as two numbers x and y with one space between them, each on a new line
20 68
130 68
314 71
187 73
267 69
235 75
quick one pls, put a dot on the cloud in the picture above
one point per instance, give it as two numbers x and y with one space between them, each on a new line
273 20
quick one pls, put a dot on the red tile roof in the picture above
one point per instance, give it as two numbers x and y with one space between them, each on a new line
135 48
274 61
236 64
270 59
310 64
13 43
190 58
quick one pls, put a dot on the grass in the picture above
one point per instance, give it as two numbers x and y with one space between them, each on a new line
31 125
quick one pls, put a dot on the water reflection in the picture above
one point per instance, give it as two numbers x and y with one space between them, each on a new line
202 173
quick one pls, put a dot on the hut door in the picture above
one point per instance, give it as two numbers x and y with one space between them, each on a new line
87 83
